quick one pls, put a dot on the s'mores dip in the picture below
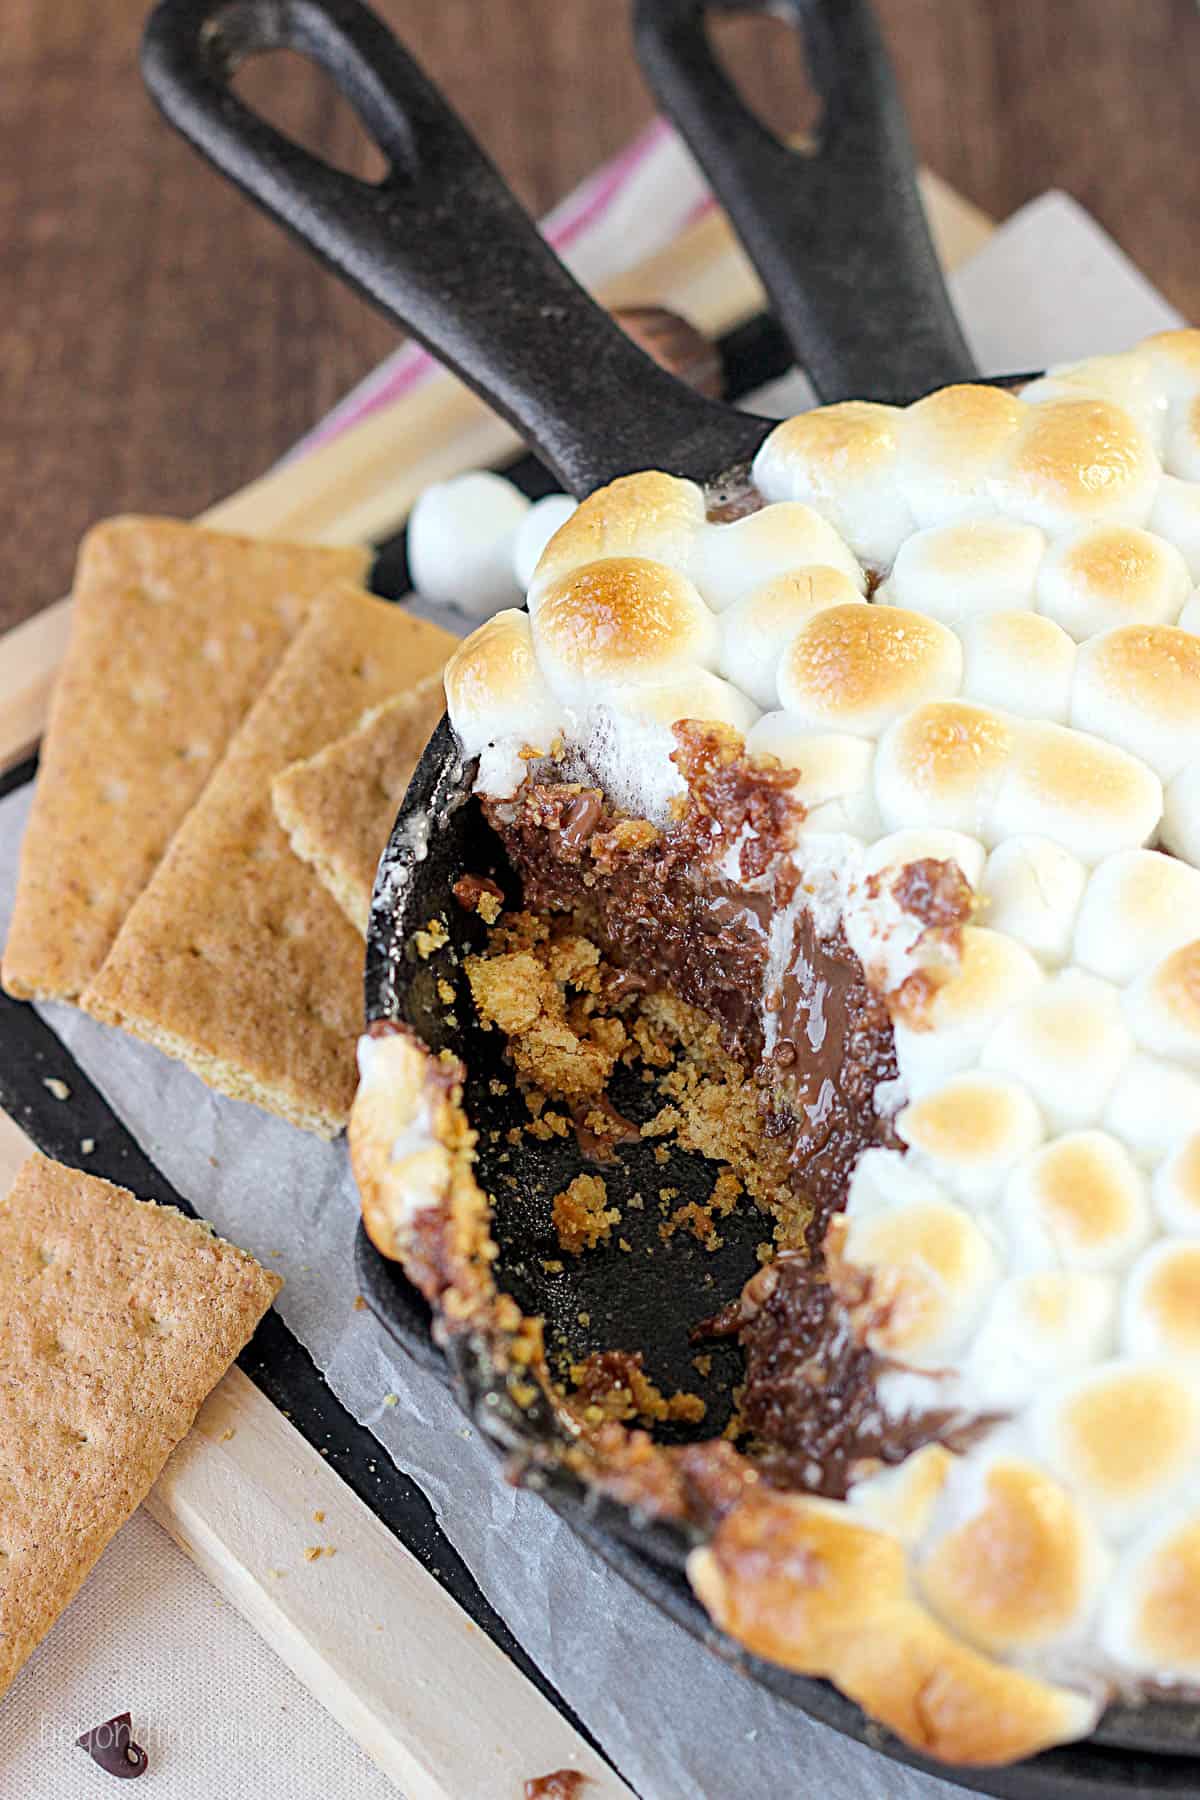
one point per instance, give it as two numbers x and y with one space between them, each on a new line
882 768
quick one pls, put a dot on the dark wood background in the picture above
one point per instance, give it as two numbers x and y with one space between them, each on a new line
160 343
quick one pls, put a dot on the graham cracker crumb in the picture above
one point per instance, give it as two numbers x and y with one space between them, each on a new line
58 1088
581 1217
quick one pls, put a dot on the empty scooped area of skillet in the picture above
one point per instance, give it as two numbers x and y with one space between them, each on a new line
646 1287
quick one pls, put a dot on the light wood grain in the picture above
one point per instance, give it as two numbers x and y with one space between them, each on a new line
371 1633
360 487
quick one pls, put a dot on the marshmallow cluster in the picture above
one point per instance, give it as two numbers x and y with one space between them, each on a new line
1019 696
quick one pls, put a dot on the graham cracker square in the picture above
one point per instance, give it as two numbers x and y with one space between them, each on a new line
338 807
234 958
119 1317
174 631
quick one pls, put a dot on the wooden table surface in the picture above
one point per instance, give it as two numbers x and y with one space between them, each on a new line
160 343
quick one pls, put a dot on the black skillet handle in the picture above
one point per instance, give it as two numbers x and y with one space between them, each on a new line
440 244
838 234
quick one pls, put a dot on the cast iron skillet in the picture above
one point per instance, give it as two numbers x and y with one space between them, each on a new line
442 247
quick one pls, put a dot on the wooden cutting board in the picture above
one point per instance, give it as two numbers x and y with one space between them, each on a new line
239 1494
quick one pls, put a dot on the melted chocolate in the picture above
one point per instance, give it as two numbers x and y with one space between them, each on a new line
111 1748
810 1390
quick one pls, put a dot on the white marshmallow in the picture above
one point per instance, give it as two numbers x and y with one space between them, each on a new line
1086 795
1069 1041
955 572
1189 618
535 531
1019 661
1039 1327
460 542
1175 516
1138 906
756 629
1181 457
1180 829
1153 1105
1103 576
731 561
1032 890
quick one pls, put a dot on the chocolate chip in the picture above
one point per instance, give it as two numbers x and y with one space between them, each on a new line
111 1748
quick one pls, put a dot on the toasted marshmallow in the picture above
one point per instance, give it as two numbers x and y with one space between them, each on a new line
1151 1622
856 668
649 515
971 1130
1176 1187
1139 687
1104 576
899 848
1069 1041
932 1265
842 461
902 1500
1180 828
1175 516
1020 661
757 628
1079 462
1152 1106
460 542
1079 1203
956 572
1032 889
1163 1006
1124 1436
730 561
497 696
1138 906
1126 380
1174 359
941 765
951 445
1160 1308
993 974
833 773
621 621
1022 1570
1086 795
1039 1327
535 531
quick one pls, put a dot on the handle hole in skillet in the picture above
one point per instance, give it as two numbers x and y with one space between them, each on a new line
291 92
763 55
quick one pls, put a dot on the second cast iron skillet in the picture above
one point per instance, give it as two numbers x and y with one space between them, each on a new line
442 247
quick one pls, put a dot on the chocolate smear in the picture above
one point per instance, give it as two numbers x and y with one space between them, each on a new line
561 1784
111 1748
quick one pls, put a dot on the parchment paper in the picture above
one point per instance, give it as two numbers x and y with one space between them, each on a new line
679 1724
